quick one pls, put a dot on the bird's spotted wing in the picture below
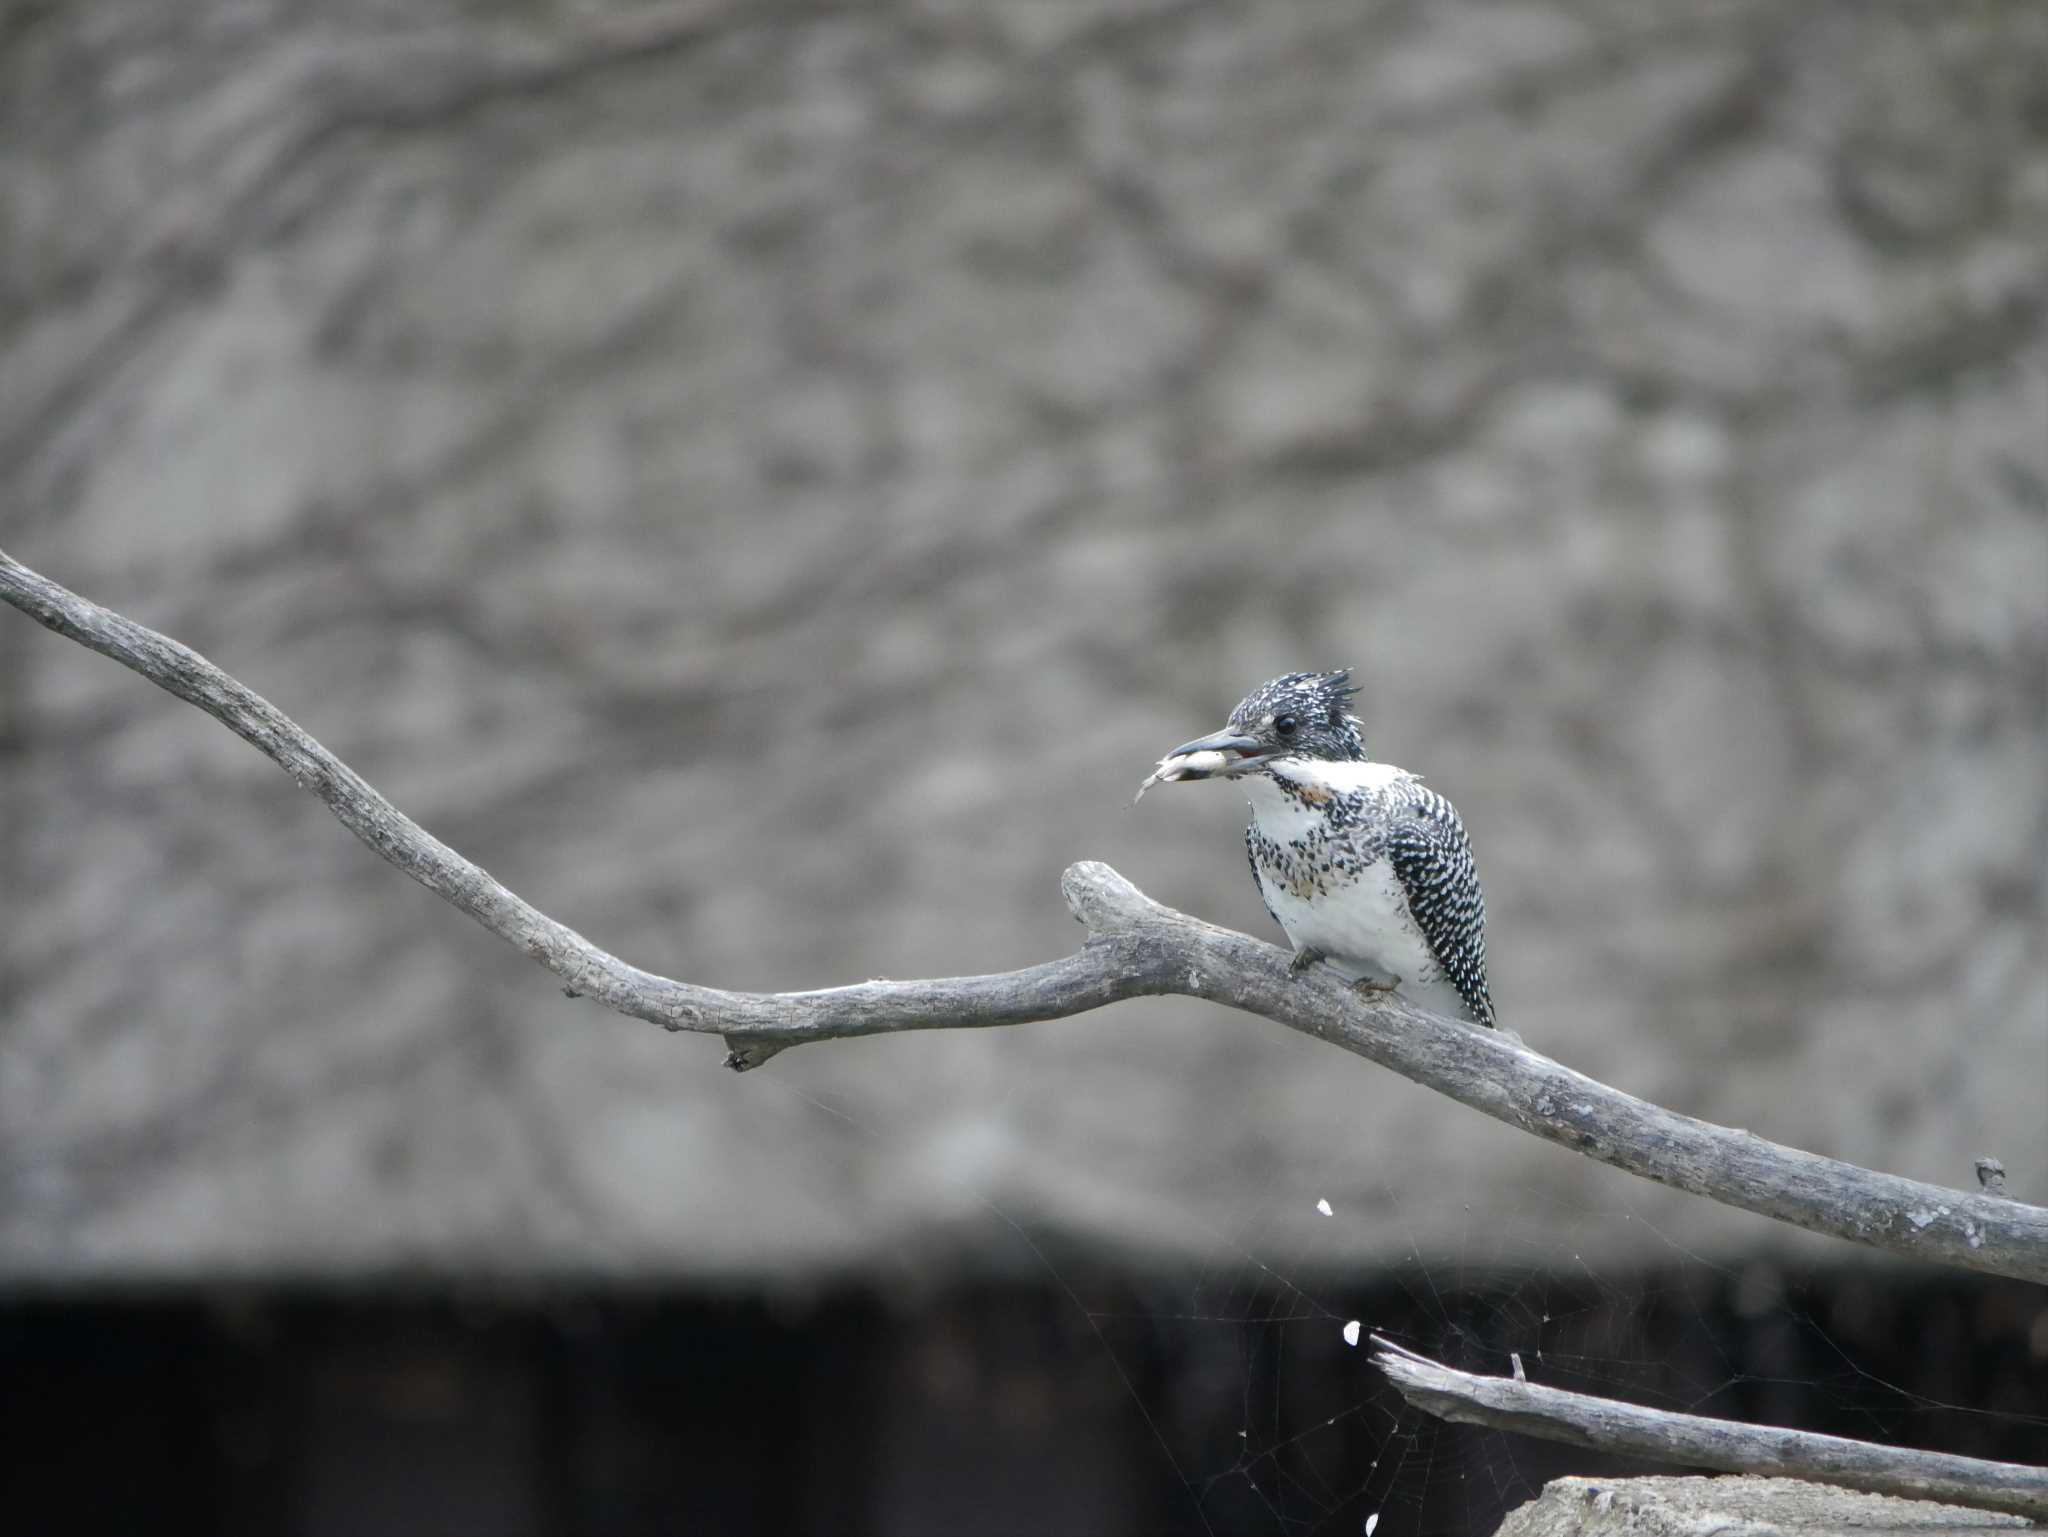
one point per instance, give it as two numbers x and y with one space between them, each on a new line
1433 861
1251 854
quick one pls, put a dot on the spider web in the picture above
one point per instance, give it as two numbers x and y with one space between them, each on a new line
1299 1434
1247 1362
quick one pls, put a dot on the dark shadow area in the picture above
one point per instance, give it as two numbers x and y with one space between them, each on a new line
1128 1405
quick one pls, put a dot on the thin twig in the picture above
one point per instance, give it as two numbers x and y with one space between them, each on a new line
1691 1440
1135 948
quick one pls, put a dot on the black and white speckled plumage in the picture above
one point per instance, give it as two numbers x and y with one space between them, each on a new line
1359 862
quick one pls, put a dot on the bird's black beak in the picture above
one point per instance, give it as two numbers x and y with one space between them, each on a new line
1226 754
1241 754
1221 741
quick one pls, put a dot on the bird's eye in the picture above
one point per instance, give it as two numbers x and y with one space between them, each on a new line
1286 725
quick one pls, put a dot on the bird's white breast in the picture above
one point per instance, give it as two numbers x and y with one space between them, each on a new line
1361 922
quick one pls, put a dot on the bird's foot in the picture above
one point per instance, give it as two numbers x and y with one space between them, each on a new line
1372 989
1306 957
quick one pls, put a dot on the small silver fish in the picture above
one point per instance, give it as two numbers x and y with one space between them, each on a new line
1193 765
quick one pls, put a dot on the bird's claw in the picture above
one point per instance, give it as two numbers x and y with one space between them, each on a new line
1305 957
1372 989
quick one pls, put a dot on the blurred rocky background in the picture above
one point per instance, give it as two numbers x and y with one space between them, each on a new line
767 480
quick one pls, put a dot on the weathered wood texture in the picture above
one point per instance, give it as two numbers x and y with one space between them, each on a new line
1605 1424
1136 948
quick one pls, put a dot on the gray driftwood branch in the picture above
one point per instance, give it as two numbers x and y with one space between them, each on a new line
1691 1440
1135 948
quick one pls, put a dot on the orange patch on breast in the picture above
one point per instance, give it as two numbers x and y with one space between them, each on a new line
1315 795
1304 887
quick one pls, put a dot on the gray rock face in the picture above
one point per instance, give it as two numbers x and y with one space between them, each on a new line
1736 1507
767 485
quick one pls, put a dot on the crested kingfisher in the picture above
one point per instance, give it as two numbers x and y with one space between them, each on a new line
1362 865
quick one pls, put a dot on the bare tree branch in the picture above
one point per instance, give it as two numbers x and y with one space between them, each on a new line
1135 948
1602 1424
